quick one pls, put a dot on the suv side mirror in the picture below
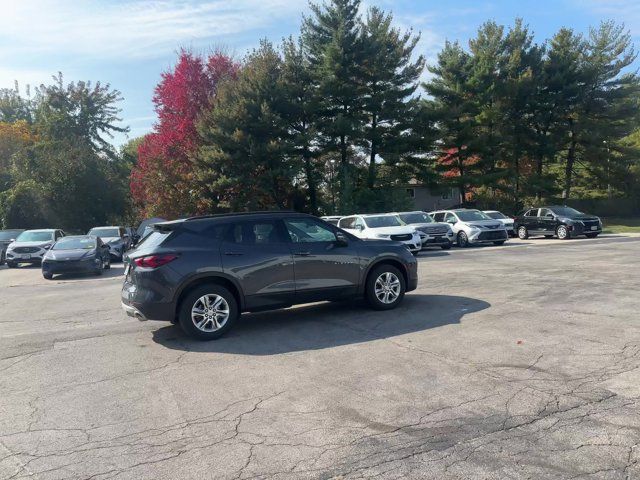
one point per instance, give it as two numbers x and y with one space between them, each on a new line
360 227
550 215
341 239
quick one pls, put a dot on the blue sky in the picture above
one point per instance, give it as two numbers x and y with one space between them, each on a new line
128 43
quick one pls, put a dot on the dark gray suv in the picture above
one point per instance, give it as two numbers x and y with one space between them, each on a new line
203 272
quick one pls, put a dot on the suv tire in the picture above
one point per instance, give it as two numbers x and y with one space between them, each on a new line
523 233
563 232
196 299
385 287
445 247
463 240
11 264
47 276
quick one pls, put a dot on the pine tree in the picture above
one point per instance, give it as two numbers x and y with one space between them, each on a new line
331 37
453 109
390 80
301 111
247 162
519 93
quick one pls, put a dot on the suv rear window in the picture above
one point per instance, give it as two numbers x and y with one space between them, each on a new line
154 239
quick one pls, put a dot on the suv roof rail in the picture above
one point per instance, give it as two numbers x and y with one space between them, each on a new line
222 215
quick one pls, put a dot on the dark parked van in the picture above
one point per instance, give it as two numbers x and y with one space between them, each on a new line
203 272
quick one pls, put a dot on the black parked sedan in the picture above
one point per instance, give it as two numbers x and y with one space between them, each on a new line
560 221
76 254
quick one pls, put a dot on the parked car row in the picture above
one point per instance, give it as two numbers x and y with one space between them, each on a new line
465 227
57 252
416 230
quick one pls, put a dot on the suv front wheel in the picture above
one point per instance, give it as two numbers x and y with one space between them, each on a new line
385 287
208 311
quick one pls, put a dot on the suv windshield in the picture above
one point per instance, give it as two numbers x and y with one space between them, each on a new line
105 232
9 234
382 221
418 217
472 215
74 243
566 211
496 215
35 236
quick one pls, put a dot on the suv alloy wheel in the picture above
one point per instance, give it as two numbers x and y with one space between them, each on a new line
208 311
385 287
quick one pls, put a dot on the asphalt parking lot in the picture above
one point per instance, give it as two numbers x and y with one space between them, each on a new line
517 362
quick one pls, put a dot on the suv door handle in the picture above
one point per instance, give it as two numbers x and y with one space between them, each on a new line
302 254
234 254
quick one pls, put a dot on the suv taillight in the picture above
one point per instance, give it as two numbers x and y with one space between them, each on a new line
154 261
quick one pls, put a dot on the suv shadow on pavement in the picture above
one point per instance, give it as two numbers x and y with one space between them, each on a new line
114 272
326 325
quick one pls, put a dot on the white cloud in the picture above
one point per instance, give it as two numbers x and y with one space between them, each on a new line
130 28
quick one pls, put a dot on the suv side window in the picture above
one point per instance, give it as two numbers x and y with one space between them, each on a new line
258 232
532 213
347 222
58 234
544 212
450 217
438 217
303 230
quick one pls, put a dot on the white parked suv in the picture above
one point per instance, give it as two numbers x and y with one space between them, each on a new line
31 245
434 234
472 226
382 227
503 219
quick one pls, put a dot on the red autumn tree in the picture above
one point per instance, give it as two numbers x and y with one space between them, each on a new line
162 183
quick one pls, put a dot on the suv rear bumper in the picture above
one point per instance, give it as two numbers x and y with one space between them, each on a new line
135 303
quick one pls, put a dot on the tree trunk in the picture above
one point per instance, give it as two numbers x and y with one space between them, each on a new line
461 185
372 155
311 181
571 158
568 168
345 201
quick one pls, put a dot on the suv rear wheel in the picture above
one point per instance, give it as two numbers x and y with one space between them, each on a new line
208 311
385 287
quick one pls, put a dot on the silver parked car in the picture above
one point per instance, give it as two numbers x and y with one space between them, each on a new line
472 226
433 234
503 219
117 238
31 245
7 237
